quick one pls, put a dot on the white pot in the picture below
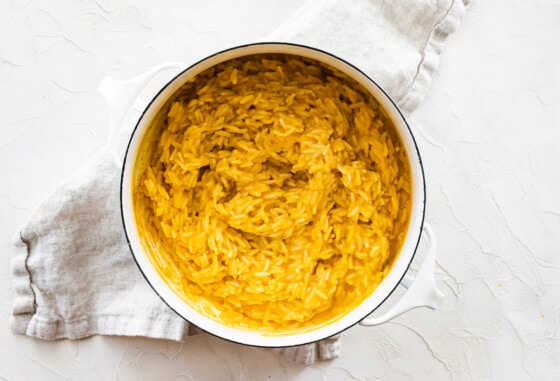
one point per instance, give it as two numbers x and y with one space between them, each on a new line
421 289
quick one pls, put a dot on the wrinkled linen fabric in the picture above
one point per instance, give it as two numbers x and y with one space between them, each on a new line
73 273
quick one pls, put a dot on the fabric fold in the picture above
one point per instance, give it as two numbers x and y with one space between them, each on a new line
396 43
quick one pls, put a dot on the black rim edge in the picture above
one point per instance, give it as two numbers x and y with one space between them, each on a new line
141 117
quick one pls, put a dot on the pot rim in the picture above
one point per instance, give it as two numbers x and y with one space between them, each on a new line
312 335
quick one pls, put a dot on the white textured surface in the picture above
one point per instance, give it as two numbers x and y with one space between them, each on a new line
489 132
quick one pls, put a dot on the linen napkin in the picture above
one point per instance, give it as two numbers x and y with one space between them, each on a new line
73 274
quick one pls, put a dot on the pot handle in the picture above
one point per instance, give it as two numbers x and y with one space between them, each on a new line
421 290
121 96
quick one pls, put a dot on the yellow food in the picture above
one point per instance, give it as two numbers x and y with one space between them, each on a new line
276 195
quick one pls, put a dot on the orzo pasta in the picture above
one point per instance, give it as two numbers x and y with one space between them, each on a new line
277 195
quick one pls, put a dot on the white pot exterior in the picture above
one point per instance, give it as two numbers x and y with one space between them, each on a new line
387 286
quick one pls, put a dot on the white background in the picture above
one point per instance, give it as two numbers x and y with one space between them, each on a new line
488 131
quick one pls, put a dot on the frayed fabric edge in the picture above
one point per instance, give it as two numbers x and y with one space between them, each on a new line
431 56
24 305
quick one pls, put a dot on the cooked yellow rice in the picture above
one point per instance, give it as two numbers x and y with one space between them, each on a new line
276 195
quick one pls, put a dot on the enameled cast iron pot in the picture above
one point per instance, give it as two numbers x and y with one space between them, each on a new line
421 288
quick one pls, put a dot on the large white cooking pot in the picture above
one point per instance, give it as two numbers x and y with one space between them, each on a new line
421 288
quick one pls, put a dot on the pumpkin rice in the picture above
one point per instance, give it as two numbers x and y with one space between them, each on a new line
276 195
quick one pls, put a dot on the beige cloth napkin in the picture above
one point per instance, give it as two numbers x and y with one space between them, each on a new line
73 274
